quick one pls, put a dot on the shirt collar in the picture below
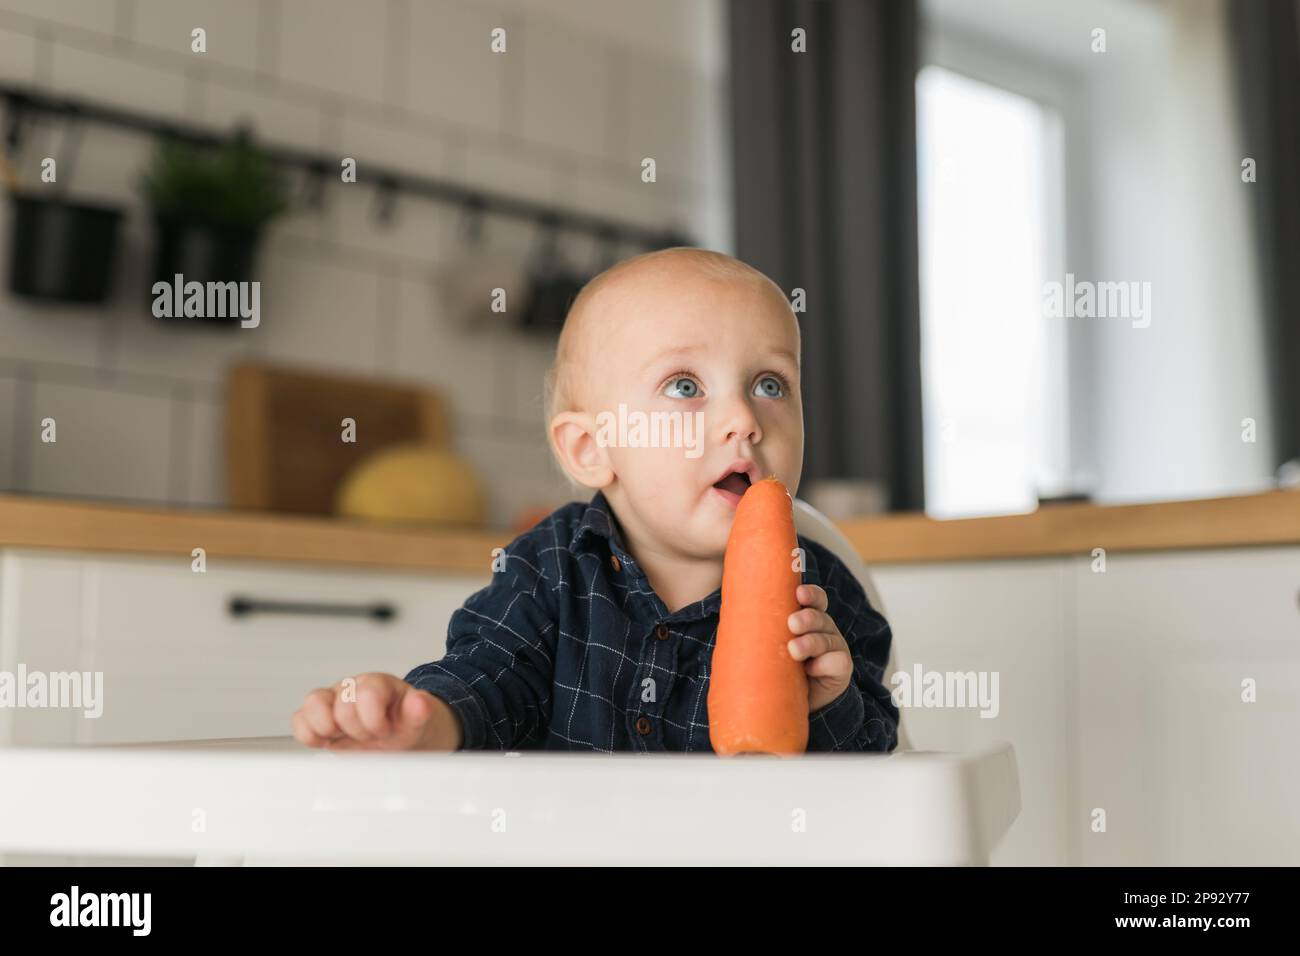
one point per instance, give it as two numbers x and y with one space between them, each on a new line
598 521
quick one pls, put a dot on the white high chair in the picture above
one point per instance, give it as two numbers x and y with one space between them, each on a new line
811 523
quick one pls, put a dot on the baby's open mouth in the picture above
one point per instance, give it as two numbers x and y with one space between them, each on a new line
736 483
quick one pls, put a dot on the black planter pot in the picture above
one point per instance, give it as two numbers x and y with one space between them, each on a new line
62 251
202 254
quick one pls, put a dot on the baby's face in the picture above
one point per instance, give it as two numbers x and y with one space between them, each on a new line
718 359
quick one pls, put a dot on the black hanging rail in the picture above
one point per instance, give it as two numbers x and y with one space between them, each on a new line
21 100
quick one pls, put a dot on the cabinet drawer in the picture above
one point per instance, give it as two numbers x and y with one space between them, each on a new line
231 651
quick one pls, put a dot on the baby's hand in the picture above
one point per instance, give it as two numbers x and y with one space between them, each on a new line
376 712
819 642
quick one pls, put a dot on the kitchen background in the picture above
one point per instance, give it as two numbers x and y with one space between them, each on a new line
563 119
1037 156
922 183
1088 174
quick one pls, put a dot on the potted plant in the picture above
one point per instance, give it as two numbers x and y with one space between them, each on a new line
210 207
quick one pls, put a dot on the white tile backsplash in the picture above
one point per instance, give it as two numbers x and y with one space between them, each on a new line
566 88
230 25
585 90
49 333
431 347
8 448
106 166
419 232
95 15
690 31
517 471
620 194
274 119
318 313
378 145
17 57
419 228
493 167
530 355
118 80
111 443
207 460
669 121
336 45
451 71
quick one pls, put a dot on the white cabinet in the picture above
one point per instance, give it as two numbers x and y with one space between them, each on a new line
41 629
177 664
1187 771
1122 691
995 617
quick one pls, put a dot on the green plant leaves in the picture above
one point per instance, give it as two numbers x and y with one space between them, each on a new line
235 187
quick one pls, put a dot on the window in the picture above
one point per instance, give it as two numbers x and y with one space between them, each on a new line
995 402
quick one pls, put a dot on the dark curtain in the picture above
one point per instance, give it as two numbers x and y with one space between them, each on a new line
825 194
1266 49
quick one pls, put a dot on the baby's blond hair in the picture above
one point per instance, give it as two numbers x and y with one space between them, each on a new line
561 389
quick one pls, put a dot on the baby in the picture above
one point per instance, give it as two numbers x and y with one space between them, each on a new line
597 629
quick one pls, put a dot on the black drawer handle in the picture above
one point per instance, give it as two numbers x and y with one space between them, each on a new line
244 606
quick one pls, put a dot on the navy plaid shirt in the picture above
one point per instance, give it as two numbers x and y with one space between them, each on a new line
570 648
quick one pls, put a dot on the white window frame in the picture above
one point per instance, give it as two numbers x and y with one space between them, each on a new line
1070 349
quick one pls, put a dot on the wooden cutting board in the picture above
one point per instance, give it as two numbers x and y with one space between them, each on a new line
284 432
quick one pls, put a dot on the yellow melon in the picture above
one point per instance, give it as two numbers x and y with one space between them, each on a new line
413 483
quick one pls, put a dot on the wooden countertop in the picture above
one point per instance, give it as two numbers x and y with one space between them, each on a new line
1271 517
32 522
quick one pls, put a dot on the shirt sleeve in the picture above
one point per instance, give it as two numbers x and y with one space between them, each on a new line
498 671
864 717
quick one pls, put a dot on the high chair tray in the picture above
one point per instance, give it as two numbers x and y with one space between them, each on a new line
271 801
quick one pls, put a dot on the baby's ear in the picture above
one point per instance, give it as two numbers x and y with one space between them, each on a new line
583 458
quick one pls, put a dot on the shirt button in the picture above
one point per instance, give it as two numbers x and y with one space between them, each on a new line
661 632
614 562
643 725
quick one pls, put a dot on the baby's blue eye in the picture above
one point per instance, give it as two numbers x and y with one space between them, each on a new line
689 388
769 386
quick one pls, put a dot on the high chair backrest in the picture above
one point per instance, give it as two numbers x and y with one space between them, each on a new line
811 523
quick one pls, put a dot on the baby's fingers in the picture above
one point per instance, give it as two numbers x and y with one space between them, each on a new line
348 717
303 733
834 664
372 706
314 724
414 709
809 619
814 644
812 595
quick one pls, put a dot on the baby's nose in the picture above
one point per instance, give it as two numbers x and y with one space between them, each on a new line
739 422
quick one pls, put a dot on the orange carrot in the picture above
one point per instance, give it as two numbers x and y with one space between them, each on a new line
758 693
